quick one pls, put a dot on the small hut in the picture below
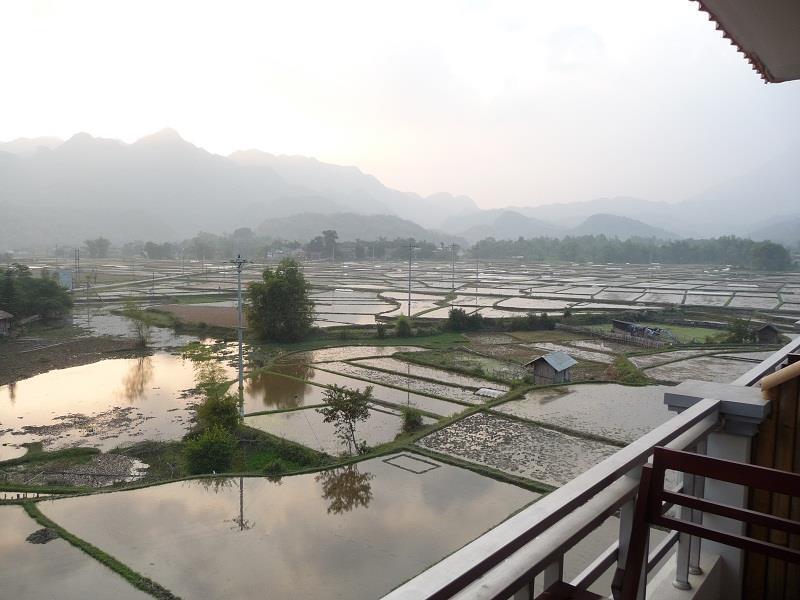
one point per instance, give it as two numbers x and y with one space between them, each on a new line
555 367
5 322
768 334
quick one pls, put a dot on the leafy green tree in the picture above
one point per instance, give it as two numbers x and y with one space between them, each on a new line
212 450
281 308
23 295
345 407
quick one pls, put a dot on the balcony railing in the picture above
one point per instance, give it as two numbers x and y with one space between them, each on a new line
506 561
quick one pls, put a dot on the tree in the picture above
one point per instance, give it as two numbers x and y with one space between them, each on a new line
330 237
98 247
344 407
281 308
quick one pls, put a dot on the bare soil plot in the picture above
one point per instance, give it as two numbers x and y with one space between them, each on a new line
518 448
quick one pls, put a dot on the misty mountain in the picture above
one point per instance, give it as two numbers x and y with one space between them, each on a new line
619 227
508 225
23 146
350 227
54 192
357 191
783 230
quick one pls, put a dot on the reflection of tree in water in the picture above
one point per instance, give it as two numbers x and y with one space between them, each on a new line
345 488
276 391
139 375
217 484
12 391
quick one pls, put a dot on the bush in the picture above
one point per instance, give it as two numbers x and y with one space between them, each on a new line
380 331
219 411
402 327
212 450
458 320
412 419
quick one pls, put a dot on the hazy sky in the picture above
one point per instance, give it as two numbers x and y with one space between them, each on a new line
509 102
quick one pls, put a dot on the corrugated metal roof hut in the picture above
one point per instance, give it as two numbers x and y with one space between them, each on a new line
555 367
768 334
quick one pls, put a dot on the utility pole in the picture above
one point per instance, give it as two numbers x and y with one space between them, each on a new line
477 262
77 266
453 279
411 249
240 262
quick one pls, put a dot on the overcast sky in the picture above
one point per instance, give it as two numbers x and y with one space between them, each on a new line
512 103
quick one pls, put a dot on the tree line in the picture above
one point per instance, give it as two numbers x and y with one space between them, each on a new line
726 250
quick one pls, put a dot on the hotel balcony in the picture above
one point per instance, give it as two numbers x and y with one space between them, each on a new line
755 420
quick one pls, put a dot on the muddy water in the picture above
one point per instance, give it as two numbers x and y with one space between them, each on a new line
104 404
99 321
353 533
52 570
618 412
307 427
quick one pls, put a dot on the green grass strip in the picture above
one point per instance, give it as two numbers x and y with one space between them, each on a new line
35 455
135 579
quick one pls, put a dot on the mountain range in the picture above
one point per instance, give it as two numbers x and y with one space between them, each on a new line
163 188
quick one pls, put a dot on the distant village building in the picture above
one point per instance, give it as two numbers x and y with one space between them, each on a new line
768 334
555 367
5 322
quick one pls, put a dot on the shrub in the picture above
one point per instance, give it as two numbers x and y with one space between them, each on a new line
212 450
380 331
220 411
458 320
402 327
412 418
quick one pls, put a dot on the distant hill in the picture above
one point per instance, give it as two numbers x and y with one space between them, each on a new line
619 227
23 146
509 225
357 191
163 188
350 227
783 230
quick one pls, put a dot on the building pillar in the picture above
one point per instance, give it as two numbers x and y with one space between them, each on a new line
742 411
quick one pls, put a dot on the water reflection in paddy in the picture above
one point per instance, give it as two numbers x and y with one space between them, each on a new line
103 404
52 570
354 533
307 427
274 391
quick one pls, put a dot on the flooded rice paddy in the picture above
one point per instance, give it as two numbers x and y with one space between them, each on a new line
104 404
518 448
55 569
617 412
307 427
421 386
405 368
354 532
704 368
